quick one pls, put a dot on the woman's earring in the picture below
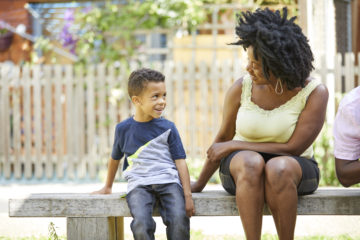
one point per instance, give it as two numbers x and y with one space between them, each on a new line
279 88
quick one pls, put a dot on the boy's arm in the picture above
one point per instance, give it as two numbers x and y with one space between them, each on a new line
185 181
113 166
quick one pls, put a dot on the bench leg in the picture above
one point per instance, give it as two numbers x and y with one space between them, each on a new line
116 228
95 228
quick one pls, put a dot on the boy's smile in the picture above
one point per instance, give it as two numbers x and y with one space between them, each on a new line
151 102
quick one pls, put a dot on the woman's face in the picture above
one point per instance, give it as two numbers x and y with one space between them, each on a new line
254 67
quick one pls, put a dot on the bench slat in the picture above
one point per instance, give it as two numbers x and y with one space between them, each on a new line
333 201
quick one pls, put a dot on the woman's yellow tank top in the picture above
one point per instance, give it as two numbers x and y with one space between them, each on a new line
254 124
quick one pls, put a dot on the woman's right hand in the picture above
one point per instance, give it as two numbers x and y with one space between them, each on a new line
196 187
217 151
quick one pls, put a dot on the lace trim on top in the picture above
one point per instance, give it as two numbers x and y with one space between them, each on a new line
301 95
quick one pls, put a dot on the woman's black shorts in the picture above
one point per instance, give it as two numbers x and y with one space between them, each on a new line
308 184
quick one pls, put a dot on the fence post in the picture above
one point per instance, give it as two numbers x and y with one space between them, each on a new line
47 98
338 72
37 76
204 106
59 123
349 71
5 121
70 123
14 75
80 123
27 118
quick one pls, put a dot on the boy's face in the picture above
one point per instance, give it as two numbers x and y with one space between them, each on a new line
151 102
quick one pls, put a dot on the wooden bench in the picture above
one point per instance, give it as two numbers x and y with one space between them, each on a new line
102 216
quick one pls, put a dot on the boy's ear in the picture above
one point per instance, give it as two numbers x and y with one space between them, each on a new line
135 100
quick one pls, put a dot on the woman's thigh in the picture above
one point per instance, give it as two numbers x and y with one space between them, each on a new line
308 183
304 172
234 163
282 171
310 175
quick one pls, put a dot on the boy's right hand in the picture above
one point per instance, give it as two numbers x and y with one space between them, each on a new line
104 190
189 206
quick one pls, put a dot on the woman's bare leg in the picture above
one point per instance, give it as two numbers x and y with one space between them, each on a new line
282 175
247 170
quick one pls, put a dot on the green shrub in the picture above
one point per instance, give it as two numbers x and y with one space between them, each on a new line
324 155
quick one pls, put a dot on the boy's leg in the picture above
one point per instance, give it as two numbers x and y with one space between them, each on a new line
172 211
141 201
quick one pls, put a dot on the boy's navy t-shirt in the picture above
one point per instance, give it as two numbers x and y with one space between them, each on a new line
150 150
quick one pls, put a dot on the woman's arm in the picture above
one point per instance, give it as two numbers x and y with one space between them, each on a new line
308 127
226 133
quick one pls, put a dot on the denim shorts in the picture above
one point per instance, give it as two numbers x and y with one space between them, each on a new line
308 184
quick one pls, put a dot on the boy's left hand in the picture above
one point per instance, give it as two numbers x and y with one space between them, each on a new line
189 206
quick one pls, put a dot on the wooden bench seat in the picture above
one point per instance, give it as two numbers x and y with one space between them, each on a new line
101 216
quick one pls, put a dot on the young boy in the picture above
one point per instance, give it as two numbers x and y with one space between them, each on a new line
155 161
347 139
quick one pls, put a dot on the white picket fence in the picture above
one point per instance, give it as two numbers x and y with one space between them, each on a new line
58 122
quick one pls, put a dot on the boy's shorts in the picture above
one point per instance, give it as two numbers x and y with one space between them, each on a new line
308 184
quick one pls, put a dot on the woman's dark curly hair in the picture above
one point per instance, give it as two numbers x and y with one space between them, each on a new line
279 43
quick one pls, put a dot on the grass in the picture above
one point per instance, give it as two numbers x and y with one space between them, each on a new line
198 235
29 238
340 237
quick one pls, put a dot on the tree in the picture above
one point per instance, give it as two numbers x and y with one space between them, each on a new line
106 34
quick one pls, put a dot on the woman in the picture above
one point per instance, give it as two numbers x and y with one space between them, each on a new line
271 118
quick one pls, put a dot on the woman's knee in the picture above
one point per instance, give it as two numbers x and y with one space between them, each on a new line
247 165
282 172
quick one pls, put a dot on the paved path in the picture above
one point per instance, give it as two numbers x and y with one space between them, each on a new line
17 227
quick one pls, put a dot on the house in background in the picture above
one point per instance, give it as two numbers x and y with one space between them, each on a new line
46 18
14 13
331 25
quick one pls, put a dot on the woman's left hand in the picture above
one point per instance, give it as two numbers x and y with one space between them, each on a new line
217 151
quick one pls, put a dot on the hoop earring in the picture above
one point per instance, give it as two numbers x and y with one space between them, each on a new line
277 90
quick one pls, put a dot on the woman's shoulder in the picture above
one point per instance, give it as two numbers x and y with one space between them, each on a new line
234 93
241 80
237 85
318 92
235 89
320 89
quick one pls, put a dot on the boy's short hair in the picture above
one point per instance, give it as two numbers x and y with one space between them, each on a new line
139 79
